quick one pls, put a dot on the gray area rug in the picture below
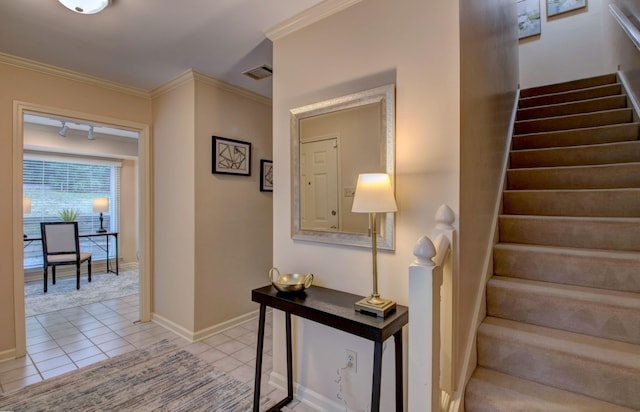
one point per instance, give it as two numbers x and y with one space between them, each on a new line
160 377
63 294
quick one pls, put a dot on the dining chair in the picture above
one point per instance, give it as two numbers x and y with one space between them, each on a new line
61 246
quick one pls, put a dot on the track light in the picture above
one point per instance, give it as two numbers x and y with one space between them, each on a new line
91 136
63 131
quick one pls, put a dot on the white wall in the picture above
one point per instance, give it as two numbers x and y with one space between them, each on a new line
413 44
571 45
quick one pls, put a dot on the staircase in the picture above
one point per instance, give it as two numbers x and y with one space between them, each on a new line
562 331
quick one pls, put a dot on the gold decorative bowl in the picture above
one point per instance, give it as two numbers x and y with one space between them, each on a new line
290 282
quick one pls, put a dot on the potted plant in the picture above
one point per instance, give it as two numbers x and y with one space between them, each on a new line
68 214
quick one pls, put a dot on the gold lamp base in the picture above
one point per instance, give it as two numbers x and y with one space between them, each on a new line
375 306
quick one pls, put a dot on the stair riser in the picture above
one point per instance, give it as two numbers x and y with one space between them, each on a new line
578 156
599 135
581 203
592 93
626 175
574 122
590 377
604 272
571 85
563 311
613 235
565 109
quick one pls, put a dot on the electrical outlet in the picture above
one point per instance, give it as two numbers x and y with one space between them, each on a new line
351 358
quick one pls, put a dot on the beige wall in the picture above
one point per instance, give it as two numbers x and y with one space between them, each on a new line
414 44
233 235
36 87
174 205
488 83
623 52
212 233
571 46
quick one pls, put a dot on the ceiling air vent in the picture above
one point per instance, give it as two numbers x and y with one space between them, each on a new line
259 73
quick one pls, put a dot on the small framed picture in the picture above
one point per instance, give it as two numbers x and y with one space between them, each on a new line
555 7
231 157
528 18
266 175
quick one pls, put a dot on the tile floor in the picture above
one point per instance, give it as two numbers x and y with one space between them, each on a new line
68 339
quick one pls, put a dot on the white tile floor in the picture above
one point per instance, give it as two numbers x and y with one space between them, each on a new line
69 339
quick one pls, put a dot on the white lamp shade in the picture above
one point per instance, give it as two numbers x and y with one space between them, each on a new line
374 194
85 6
26 205
101 204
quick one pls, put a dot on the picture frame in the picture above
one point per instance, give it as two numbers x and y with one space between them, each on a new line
528 18
555 7
230 157
266 175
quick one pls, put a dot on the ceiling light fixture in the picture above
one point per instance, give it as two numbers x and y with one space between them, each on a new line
63 131
86 6
91 136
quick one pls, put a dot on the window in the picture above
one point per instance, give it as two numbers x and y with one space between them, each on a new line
59 183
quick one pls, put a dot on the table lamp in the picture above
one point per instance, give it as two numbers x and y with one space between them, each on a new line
374 194
26 208
101 204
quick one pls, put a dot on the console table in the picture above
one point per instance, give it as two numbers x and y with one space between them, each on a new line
335 309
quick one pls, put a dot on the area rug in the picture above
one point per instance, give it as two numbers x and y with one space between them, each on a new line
160 377
63 294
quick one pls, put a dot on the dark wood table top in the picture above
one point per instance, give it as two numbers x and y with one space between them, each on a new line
333 308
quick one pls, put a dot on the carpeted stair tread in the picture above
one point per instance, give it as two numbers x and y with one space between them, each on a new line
492 391
596 312
605 369
569 108
565 231
572 95
582 136
580 203
570 85
549 124
609 176
596 154
605 269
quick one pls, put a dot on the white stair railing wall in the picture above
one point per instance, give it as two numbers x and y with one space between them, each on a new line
431 305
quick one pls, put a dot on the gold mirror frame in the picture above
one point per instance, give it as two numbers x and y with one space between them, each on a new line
385 97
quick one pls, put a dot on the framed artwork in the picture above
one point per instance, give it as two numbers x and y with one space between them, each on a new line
555 7
266 175
231 157
528 18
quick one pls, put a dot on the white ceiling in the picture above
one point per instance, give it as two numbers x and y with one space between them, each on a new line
145 43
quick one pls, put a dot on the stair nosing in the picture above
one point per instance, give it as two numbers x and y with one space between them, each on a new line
569 103
608 297
578 147
610 219
575 130
626 109
571 91
574 167
622 354
614 189
559 250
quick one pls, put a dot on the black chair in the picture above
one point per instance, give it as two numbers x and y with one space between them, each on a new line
61 246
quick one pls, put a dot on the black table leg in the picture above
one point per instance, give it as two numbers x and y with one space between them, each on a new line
256 388
377 377
289 397
399 375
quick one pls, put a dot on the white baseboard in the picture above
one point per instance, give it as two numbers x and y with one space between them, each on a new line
7 355
35 274
305 395
204 333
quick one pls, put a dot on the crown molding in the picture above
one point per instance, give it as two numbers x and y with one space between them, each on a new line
192 75
316 13
33 65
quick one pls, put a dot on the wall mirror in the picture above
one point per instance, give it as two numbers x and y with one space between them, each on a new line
332 142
